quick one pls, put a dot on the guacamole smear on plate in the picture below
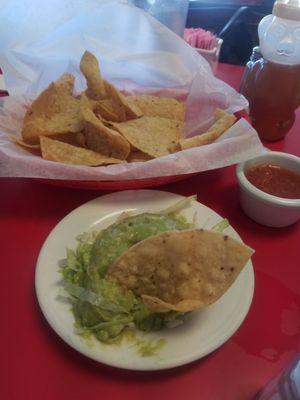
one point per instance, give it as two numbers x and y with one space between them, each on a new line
100 307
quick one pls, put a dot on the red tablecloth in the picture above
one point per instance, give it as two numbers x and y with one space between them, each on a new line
36 364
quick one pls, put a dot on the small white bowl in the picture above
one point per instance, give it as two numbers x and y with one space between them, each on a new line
262 207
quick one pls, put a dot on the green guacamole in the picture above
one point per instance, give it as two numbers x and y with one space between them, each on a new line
113 241
100 307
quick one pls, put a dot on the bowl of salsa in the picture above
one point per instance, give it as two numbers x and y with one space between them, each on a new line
270 188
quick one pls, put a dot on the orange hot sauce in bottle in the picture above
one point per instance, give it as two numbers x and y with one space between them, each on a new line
271 82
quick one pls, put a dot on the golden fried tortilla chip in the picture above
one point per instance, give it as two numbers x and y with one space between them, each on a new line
86 102
138 156
55 111
219 114
130 111
65 84
31 148
180 270
154 106
20 141
89 66
99 89
80 140
215 131
73 138
156 305
102 139
154 136
110 110
54 150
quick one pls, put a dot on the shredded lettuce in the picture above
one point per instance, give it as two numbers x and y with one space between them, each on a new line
78 261
108 312
100 307
220 226
178 206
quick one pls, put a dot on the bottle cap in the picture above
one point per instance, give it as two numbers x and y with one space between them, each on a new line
256 54
287 9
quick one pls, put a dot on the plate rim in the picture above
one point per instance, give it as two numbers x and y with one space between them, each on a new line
166 365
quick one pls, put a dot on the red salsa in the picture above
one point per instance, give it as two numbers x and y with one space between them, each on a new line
275 180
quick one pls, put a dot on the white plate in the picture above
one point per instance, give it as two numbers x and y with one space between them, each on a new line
203 331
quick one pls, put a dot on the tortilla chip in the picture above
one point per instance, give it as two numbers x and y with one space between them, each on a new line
214 132
180 270
219 114
69 137
154 106
99 89
55 111
102 139
108 110
86 102
130 111
54 150
154 136
89 66
65 84
157 305
138 156
80 139
31 148
21 142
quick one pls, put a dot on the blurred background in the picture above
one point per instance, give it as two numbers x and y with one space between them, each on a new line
234 21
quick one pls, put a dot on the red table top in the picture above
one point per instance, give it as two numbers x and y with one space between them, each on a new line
36 364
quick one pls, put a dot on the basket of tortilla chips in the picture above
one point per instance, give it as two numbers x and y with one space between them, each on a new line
102 127
153 113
